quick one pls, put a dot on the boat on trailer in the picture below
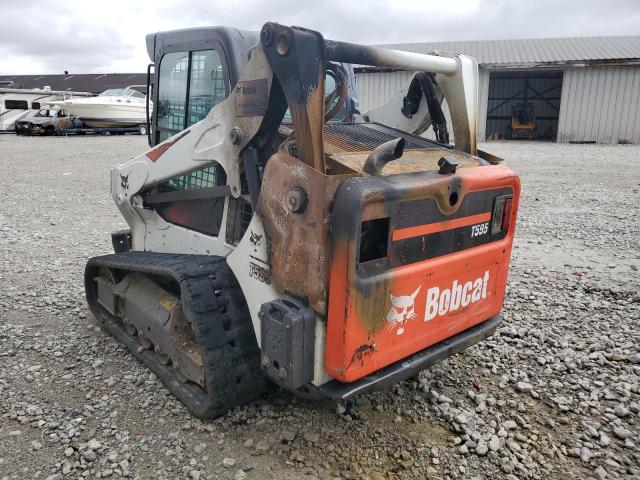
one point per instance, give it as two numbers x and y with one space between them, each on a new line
116 107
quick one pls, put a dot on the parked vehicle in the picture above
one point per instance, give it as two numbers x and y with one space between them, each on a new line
18 104
331 258
48 121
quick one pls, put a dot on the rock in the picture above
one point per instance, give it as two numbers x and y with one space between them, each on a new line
248 442
482 449
124 465
494 443
36 445
600 473
68 452
621 432
621 410
510 425
240 475
506 464
461 419
604 439
311 437
228 462
524 387
262 447
94 444
195 474
585 454
288 435
89 455
199 448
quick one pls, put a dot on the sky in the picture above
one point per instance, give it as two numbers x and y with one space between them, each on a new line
44 37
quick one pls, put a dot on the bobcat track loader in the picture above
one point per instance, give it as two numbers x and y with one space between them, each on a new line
278 234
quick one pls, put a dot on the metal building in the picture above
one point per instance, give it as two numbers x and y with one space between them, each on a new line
581 89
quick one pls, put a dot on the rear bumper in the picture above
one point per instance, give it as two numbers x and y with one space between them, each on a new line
412 365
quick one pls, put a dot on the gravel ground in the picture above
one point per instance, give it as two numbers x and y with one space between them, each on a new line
554 394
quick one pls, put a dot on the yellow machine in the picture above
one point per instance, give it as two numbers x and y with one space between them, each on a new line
523 121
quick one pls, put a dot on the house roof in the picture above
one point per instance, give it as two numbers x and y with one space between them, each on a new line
85 82
615 49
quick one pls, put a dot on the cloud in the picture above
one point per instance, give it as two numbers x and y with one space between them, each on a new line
87 37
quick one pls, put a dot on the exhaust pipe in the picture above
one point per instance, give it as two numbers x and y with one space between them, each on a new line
383 154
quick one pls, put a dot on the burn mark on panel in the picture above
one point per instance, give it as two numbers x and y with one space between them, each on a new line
360 353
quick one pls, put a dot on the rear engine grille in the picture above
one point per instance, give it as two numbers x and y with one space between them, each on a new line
364 137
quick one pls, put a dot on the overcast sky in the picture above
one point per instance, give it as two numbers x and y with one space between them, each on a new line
39 36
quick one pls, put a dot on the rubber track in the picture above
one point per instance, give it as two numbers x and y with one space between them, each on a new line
213 300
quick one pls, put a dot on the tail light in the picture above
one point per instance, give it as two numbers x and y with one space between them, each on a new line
506 216
501 217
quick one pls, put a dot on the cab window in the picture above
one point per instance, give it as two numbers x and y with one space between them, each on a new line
189 85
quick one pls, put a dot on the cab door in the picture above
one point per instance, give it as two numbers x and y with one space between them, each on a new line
188 84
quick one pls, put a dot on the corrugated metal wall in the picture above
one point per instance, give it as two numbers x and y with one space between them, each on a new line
600 104
376 88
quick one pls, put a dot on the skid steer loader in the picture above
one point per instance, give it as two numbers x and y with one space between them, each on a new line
278 234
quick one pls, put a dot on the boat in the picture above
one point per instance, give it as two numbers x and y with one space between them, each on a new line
113 108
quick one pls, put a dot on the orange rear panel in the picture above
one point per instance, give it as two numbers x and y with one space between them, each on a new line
441 271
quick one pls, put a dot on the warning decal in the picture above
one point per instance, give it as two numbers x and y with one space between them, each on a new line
252 97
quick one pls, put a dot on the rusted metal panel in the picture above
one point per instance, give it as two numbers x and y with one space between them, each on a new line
300 243
297 58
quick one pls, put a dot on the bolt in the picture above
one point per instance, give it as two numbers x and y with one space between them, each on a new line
297 200
266 35
236 135
266 361
282 373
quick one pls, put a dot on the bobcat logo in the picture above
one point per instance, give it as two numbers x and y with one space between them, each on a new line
402 310
255 240
124 181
